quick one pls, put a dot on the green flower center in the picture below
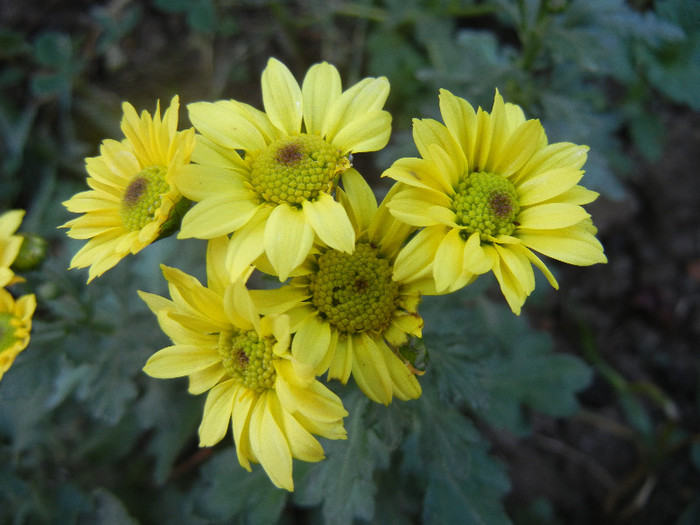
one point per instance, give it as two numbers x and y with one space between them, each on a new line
248 358
296 169
486 203
7 332
355 291
142 197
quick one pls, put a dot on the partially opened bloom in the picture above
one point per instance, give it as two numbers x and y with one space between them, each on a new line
349 314
243 360
133 200
9 245
488 190
15 327
269 177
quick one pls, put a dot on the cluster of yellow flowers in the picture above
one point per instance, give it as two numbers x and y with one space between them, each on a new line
15 315
276 191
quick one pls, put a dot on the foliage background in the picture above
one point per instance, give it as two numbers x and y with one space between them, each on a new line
583 410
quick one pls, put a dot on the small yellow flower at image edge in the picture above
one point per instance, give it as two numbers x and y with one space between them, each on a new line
132 201
242 359
269 178
15 327
10 245
487 191
350 315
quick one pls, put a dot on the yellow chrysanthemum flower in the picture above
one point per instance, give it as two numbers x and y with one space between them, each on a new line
488 190
277 197
349 313
133 200
9 245
15 327
243 360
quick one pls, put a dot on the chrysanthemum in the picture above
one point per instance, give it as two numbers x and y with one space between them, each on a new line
243 360
15 326
133 200
277 197
9 245
350 314
488 190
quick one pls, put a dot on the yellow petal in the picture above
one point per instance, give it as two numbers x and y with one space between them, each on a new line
302 444
217 275
288 239
198 182
239 307
449 256
226 127
217 413
570 245
330 221
243 403
415 260
205 379
370 371
281 97
475 258
311 343
404 382
413 206
460 118
520 147
427 134
361 198
218 215
321 87
245 246
546 185
340 365
551 216
180 360
367 95
367 132
269 443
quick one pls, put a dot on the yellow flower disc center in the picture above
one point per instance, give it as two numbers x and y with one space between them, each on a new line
7 332
486 203
296 169
142 197
355 292
248 358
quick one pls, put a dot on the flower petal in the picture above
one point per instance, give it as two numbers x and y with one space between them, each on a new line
269 443
330 221
226 127
551 216
180 360
321 87
367 95
571 245
546 185
288 239
368 132
218 215
449 256
361 198
416 258
311 343
281 97
217 413
370 371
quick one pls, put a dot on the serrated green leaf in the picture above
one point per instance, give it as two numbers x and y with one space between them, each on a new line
344 482
464 484
173 416
226 492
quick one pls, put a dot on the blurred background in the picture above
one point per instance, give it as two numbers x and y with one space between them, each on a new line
85 438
